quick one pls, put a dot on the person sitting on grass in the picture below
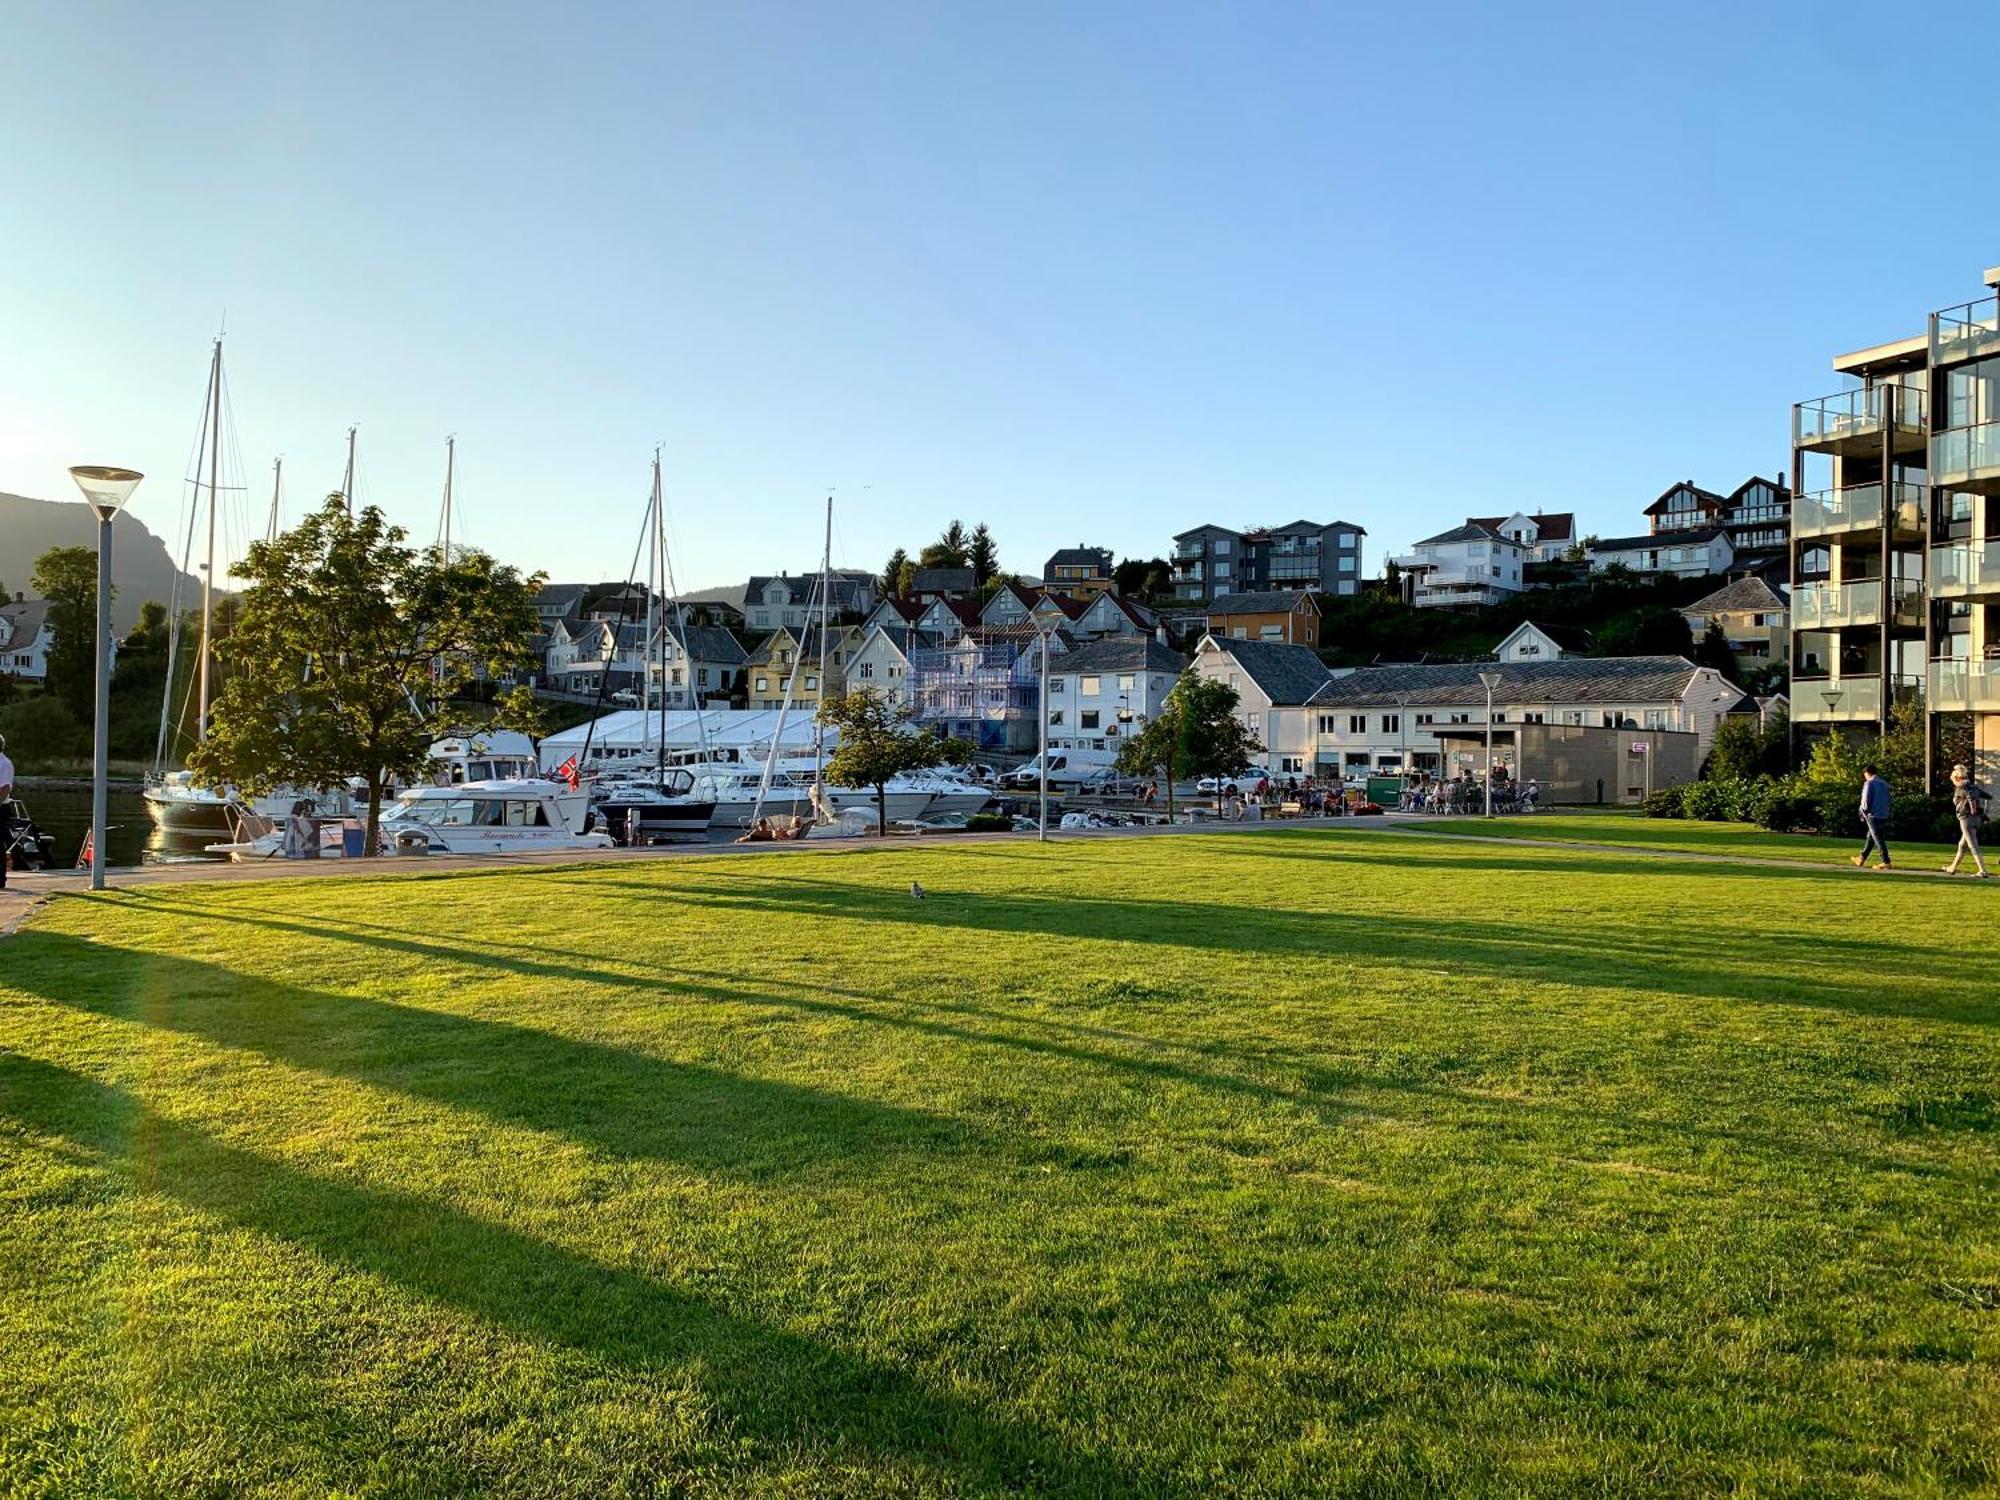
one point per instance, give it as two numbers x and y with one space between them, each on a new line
1968 805
1874 817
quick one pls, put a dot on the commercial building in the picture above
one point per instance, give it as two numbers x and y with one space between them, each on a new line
1322 556
1896 535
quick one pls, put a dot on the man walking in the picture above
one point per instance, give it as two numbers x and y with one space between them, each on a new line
1968 804
6 812
1874 817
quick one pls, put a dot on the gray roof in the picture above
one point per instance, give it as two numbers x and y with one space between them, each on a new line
1207 528
24 622
565 594
1602 679
943 580
1657 539
1079 557
731 595
1268 602
1286 674
1466 533
1743 594
847 585
1312 528
707 642
1124 653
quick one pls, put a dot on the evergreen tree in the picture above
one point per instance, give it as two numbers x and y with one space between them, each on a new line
1714 651
981 555
894 583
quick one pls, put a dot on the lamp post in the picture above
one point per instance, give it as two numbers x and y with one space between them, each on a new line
106 489
1490 680
1042 820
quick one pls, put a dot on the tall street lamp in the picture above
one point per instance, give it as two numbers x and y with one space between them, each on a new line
1491 681
1044 629
106 490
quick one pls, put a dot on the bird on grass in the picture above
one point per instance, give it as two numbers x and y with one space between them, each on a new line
916 890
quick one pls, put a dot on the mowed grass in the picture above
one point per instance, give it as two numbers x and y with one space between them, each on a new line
1287 1162
1677 835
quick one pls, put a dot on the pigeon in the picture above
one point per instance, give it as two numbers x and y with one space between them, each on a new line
916 890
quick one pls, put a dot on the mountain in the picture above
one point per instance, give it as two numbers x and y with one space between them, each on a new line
141 566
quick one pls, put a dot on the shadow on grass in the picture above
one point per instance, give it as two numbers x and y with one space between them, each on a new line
780 1389
624 1102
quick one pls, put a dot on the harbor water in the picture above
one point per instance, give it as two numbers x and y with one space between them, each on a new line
62 809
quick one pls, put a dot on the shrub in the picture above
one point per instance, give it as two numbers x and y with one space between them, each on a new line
1785 811
1666 802
41 728
989 823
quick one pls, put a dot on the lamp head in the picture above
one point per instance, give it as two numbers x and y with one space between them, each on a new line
1491 680
105 488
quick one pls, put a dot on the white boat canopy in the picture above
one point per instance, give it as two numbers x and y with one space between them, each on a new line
726 733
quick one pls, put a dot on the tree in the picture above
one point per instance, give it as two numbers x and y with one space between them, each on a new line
346 652
518 708
894 583
1746 749
948 551
876 745
1143 577
981 555
1196 733
1651 630
1715 651
67 578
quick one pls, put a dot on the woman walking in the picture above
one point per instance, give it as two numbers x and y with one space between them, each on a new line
1968 802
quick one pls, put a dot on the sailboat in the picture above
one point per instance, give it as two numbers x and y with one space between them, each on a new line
634 808
177 803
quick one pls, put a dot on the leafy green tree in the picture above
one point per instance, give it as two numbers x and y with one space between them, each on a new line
348 648
1143 577
949 550
877 744
1196 733
67 578
1651 630
981 554
1744 749
518 708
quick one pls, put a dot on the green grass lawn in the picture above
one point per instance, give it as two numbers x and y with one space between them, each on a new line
1625 826
1287 1162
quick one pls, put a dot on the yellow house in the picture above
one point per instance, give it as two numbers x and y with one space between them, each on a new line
791 658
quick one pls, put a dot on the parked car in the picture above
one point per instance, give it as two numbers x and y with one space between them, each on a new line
627 697
1108 782
1216 786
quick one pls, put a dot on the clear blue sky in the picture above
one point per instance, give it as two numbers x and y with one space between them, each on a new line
1090 272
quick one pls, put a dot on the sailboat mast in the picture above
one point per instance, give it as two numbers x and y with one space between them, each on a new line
347 480
660 574
825 603
444 526
208 568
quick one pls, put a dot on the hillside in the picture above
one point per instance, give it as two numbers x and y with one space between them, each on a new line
142 567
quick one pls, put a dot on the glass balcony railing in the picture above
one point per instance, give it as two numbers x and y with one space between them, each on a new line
1965 568
1966 331
1967 455
1856 508
1829 606
1959 684
1825 700
1852 415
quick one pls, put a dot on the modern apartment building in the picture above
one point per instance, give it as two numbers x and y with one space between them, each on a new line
1896 574
1211 560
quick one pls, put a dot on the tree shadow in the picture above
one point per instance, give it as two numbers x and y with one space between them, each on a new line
780 1389
625 1102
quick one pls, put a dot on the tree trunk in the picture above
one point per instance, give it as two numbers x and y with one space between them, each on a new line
882 809
1170 787
369 845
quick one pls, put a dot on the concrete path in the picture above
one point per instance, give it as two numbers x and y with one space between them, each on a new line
26 892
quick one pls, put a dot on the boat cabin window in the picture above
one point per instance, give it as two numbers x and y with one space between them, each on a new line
525 814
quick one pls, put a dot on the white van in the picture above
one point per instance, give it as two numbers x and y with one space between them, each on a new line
1067 768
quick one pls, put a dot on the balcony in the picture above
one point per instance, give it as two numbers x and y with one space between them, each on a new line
1855 698
1189 570
1960 686
1968 458
1857 508
1965 332
1829 606
1856 422
1964 568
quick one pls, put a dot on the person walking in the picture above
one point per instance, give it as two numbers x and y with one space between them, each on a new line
1968 804
6 812
1874 817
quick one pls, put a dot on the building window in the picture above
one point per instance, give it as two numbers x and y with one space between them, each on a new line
867 670
1357 723
1250 722
763 684
1055 717
812 683
1291 764
1270 632
1220 546
1347 565
1500 716
1347 541
1423 719
1126 682
1087 719
1461 719
1326 724
1392 723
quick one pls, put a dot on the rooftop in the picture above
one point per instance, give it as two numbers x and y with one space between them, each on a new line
1742 594
1283 673
1599 679
1267 602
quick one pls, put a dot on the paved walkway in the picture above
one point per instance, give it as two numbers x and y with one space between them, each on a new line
25 892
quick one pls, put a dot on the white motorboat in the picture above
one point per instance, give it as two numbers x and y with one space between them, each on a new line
178 804
948 793
473 817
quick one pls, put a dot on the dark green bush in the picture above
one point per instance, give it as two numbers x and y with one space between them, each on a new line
1666 802
989 823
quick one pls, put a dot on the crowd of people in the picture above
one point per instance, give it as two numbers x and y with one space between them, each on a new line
1465 794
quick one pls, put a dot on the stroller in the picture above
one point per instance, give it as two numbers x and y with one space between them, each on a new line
30 848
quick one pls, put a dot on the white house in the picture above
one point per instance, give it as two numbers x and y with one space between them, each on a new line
1385 718
26 638
1693 553
1470 564
700 662
1107 689
882 661
1544 536
790 601
1529 641
580 652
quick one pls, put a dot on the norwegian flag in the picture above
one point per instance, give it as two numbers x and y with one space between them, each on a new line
566 772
